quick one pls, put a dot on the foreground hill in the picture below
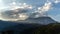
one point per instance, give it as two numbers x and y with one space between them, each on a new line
23 28
53 28
15 27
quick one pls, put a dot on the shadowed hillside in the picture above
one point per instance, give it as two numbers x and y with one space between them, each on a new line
30 26
53 28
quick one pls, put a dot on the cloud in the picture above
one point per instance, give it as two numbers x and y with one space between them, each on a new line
15 15
56 1
12 13
46 7
15 12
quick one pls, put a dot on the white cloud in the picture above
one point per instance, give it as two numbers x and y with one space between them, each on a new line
13 15
56 1
42 10
47 6
1 4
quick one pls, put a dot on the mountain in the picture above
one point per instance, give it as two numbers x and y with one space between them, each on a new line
25 25
39 20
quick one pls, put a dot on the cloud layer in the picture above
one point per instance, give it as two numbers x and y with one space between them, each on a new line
15 12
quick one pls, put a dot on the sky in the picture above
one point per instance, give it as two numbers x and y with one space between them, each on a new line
53 12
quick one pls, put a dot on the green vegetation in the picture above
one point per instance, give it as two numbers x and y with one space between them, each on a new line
53 28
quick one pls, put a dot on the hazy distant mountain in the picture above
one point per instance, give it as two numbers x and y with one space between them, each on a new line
40 20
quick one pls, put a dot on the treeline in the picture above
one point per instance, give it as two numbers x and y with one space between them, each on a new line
53 28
